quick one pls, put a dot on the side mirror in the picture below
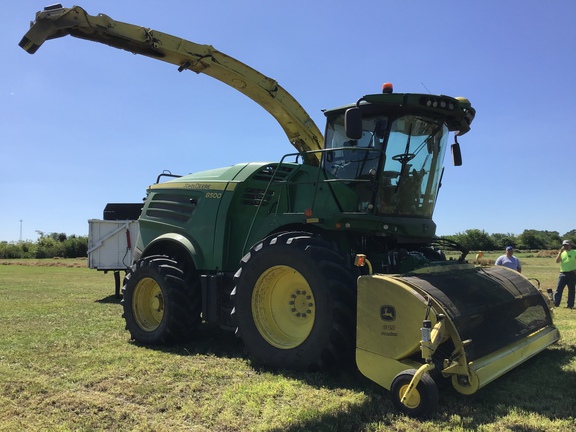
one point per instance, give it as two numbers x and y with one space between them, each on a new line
353 123
456 154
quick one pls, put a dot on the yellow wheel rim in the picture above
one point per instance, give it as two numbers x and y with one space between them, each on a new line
414 400
283 307
148 304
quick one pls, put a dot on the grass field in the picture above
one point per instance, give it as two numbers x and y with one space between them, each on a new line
66 363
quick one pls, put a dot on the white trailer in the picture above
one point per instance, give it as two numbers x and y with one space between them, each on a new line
110 246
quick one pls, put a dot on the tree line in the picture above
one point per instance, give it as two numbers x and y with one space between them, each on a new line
530 239
50 245
61 245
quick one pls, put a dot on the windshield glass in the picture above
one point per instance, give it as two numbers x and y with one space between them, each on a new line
355 159
394 168
413 166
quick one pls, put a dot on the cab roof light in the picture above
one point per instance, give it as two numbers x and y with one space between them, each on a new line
436 102
387 88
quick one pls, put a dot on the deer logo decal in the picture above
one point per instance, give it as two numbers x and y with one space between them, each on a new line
387 313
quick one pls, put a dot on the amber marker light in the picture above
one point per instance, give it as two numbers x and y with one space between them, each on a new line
360 260
387 88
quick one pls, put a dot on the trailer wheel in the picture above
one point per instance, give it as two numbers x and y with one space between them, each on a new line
161 305
295 303
424 398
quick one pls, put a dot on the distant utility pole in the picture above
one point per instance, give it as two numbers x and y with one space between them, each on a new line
20 229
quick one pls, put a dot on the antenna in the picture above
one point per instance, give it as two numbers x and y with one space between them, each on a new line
423 85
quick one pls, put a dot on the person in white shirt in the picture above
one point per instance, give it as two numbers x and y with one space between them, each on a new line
509 260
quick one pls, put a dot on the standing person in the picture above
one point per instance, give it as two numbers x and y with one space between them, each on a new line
509 260
479 256
567 260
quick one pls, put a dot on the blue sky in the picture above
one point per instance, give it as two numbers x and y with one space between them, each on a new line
82 124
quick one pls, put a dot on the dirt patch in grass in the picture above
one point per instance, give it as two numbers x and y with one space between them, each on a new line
547 253
48 262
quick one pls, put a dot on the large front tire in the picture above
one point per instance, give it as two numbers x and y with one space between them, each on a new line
162 304
295 300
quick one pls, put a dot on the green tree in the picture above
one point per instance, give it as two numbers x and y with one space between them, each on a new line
9 250
570 235
475 239
75 247
48 246
501 241
534 239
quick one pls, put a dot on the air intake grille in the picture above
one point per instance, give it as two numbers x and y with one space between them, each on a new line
256 197
171 206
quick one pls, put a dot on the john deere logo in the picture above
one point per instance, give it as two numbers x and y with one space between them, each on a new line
388 313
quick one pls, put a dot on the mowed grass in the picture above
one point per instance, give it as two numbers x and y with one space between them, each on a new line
66 363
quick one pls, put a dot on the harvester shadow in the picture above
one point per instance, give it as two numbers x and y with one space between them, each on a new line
546 379
539 386
111 299
376 407
208 340
211 340
547 382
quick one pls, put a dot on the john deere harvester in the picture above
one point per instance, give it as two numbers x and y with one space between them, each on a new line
330 252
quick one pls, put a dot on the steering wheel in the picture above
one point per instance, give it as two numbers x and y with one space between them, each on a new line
404 157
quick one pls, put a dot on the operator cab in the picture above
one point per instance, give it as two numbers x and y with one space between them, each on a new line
389 149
